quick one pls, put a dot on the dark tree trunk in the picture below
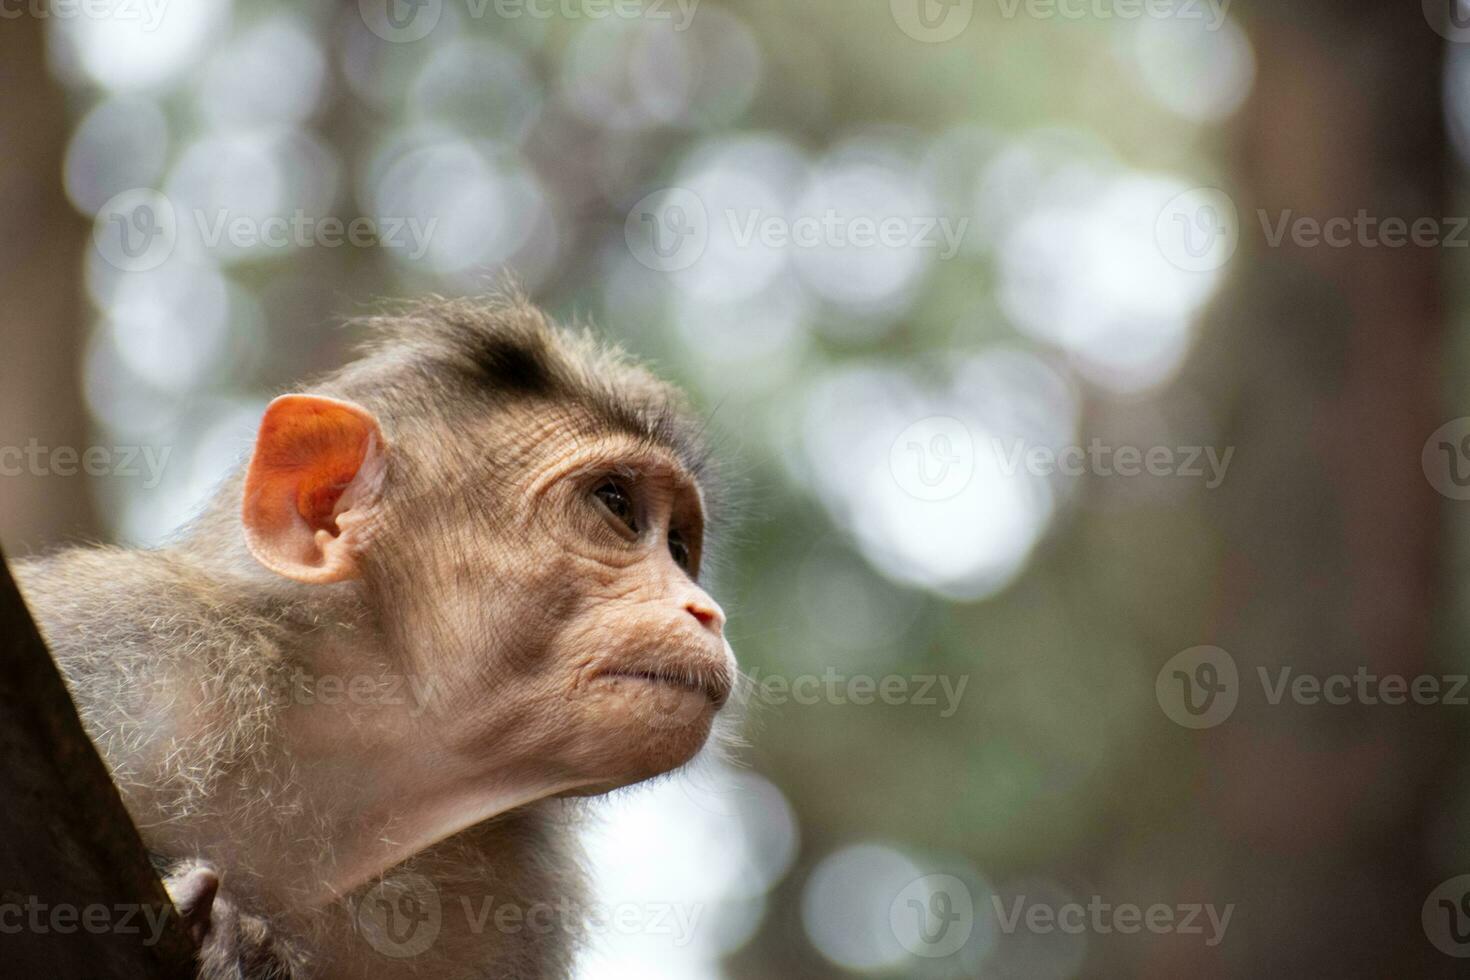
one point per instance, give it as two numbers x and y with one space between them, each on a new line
1317 816
74 876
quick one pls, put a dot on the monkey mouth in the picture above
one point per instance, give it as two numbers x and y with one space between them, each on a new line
715 685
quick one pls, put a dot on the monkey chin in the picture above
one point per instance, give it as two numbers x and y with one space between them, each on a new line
646 726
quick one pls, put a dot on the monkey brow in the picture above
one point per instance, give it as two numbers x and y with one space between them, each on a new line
666 433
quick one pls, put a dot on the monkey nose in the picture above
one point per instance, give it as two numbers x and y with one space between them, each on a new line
708 613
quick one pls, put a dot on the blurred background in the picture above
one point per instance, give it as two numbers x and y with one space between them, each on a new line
1055 421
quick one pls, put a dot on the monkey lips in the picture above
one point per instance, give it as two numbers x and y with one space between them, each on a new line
669 692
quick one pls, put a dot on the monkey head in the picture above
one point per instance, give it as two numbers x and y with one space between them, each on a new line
524 513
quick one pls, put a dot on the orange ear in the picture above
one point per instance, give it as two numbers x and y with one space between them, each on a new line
314 476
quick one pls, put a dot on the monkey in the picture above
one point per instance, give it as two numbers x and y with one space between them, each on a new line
455 591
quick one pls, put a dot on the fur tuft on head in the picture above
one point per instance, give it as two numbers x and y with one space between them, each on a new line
425 355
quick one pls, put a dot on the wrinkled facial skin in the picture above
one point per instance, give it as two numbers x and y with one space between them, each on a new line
557 628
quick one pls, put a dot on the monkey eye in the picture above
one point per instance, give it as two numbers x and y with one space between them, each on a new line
618 503
679 549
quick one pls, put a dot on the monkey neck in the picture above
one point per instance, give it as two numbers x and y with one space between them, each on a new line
257 725
377 774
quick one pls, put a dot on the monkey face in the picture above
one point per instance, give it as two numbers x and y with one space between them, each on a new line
570 623
641 658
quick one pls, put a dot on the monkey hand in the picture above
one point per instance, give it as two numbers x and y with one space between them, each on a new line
232 944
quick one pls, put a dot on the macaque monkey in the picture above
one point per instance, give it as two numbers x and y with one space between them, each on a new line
454 589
